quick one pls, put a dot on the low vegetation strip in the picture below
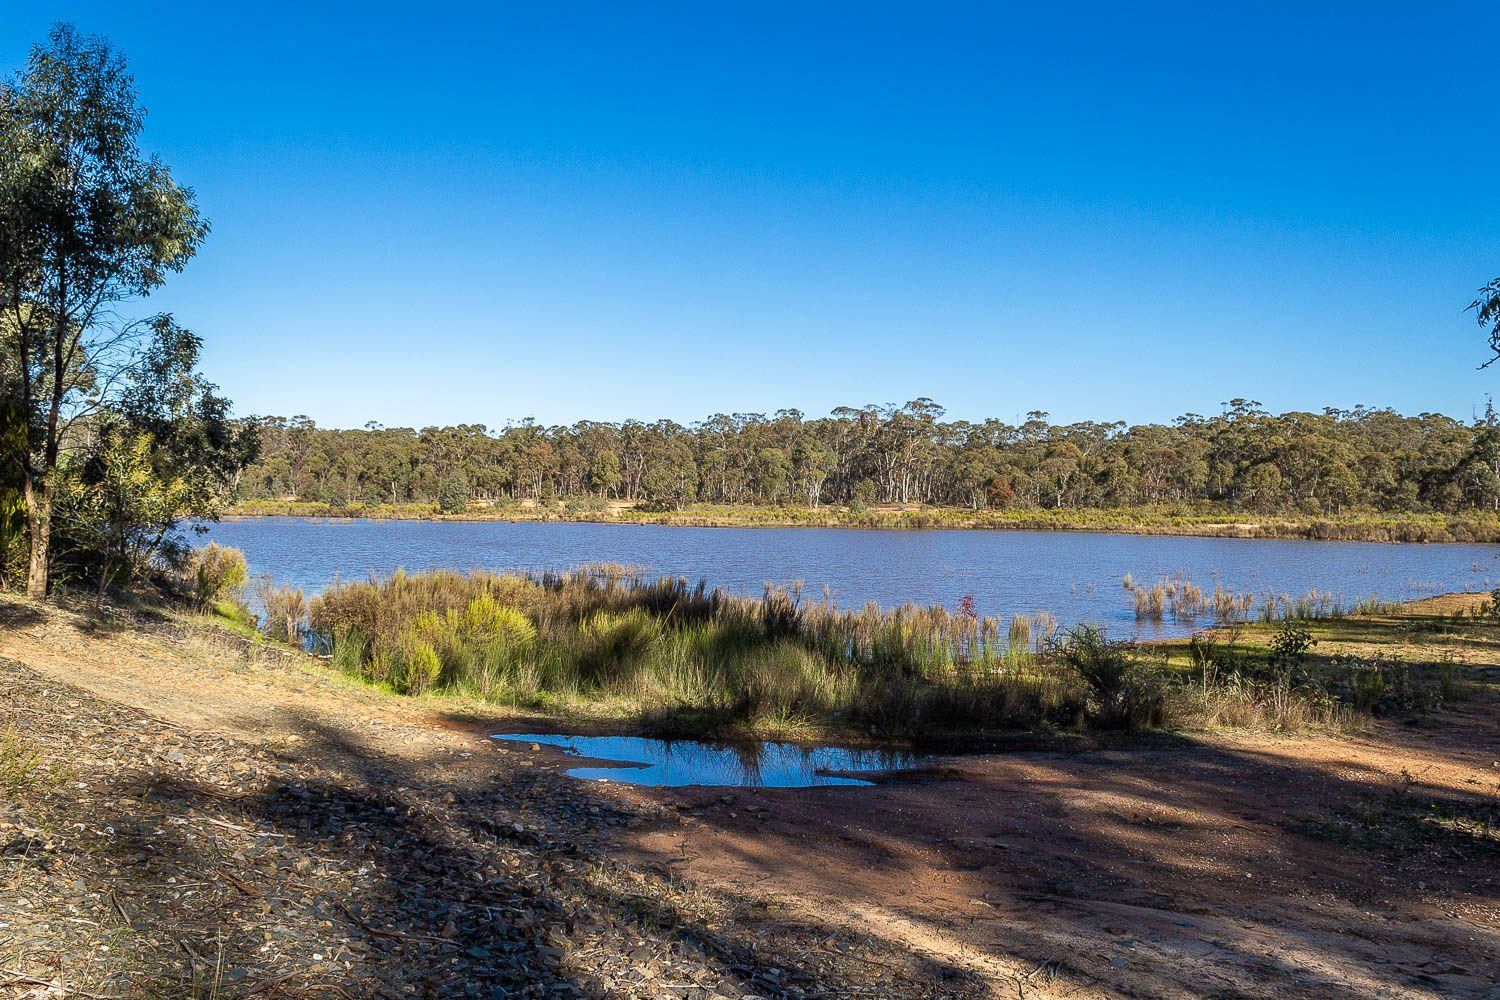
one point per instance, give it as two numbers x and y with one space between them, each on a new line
1474 526
674 659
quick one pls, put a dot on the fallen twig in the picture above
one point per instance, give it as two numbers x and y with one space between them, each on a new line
238 883
120 909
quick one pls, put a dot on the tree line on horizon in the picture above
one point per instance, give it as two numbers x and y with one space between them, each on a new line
1244 458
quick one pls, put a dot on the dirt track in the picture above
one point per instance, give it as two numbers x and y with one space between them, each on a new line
1191 866
1182 870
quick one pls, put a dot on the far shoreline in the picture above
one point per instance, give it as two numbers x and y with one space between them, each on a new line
1478 528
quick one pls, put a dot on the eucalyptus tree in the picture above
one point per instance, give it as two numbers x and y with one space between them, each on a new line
87 223
1486 309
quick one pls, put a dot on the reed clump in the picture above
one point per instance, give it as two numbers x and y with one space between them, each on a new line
215 574
686 660
284 610
1182 600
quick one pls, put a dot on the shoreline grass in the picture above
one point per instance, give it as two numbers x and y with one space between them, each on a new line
1173 520
674 660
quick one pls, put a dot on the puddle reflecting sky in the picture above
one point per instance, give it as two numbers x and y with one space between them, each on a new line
675 763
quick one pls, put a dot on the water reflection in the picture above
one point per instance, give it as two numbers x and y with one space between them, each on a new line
675 763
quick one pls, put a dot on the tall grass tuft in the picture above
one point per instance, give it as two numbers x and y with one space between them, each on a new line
284 611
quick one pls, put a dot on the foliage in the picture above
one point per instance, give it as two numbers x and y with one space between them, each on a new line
284 611
119 436
116 512
453 494
1122 693
689 659
1289 646
24 769
87 221
1486 309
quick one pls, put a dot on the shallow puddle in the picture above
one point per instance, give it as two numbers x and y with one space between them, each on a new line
674 763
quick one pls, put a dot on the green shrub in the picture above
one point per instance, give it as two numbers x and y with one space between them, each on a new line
1289 646
420 667
217 573
486 619
1123 693
784 679
613 647
24 769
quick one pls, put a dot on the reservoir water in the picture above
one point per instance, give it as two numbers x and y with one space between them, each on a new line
1075 576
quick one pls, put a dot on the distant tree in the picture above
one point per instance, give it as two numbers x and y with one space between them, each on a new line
1244 458
1479 473
672 479
1486 309
812 462
865 496
770 472
453 494
86 222
1263 486
604 473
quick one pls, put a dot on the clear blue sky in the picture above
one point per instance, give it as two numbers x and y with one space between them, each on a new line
427 214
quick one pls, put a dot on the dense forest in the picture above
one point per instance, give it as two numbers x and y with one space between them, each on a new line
1243 459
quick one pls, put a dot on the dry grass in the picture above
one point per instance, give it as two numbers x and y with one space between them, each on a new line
1389 660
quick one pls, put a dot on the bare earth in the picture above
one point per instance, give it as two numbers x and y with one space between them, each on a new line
1183 866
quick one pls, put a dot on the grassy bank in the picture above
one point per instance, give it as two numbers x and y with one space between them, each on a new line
680 659
660 656
1172 520
1388 660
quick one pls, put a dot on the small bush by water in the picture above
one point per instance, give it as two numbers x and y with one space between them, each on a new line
215 573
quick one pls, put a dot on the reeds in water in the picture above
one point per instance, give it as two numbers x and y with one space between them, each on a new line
284 610
1183 600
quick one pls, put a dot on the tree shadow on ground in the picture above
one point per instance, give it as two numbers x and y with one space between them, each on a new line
1207 869
351 872
14 614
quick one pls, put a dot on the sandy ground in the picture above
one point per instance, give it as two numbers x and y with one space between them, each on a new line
1182 866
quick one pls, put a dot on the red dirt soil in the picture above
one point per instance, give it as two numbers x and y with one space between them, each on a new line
1183 870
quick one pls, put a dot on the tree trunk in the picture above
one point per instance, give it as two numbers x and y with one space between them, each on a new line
39 526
